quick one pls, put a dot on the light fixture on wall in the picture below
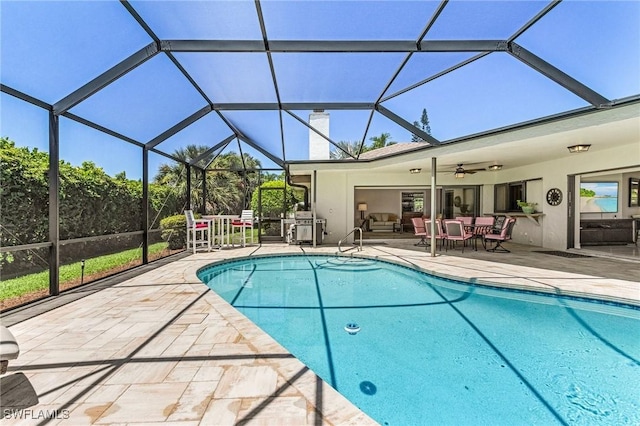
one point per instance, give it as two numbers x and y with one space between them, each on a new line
362 207
495 167
414 171
578 148
459 173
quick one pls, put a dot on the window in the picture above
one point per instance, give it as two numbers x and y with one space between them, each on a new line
506 196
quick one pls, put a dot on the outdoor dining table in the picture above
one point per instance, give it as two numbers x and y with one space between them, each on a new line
478 231
222 223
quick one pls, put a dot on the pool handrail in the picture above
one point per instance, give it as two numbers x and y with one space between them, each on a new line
358 247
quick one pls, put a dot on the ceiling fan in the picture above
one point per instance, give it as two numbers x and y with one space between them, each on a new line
460 171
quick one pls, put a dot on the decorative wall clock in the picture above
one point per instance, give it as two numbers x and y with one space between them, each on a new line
554 196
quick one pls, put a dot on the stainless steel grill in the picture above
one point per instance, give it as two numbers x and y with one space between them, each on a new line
304 228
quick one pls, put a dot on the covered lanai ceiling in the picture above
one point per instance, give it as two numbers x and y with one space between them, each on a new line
243 76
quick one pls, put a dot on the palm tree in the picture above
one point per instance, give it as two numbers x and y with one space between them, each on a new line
379 142
351 147
174 176
228 186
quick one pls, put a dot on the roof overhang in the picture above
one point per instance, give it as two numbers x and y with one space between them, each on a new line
515 147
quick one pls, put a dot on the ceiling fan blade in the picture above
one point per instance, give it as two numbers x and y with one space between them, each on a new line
461 166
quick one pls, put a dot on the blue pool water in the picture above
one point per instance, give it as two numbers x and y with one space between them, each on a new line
435 351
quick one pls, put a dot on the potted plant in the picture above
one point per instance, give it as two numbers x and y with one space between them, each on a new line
527 208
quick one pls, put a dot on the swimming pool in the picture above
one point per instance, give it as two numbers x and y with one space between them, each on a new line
436 351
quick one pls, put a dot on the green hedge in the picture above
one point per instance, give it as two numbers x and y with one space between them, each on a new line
91 203
174 231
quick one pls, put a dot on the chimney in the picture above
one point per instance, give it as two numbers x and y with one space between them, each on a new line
319 146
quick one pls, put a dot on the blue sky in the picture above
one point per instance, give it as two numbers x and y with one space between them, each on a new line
602 189
49 49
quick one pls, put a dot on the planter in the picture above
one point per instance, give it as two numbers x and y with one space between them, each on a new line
528 209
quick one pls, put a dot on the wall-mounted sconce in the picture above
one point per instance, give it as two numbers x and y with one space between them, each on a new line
414 171
495 167
578 148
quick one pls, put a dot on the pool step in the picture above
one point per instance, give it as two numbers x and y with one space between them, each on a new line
349 264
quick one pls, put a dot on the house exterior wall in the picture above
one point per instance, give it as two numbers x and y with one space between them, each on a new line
336 189
554 174
334 202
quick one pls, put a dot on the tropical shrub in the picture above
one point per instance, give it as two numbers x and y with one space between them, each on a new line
272 201
174 231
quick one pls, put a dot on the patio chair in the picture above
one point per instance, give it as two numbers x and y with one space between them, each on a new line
467 220
455 232
198 232
439 234
419 231
498 223
485 220
482 225
242 224
9 348
501 237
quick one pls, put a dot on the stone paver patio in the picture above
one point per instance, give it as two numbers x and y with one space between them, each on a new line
161 347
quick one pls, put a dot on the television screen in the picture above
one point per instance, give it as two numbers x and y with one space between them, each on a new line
598 197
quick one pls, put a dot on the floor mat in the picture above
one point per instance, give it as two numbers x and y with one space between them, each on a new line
560 253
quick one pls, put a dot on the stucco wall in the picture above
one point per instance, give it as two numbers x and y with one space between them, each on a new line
334 202
554 174
336 189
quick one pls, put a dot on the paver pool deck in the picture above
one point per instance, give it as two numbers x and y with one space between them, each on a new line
160 347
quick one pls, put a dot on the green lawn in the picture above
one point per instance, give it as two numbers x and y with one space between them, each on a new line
31 283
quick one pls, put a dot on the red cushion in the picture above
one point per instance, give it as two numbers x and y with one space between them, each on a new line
201 225
240 223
